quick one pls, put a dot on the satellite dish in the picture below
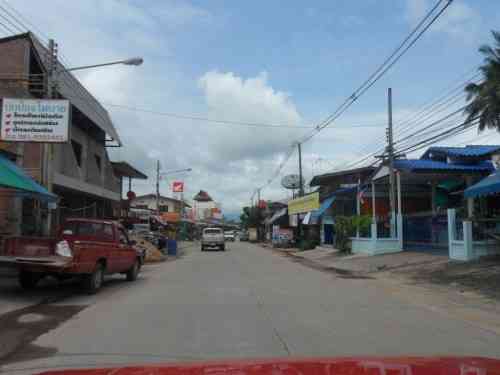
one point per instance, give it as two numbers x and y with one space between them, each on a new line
291 181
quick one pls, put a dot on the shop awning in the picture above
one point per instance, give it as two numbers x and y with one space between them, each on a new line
13 177
278 214
487 186
322 208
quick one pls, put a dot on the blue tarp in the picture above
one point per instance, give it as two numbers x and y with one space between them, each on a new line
489 185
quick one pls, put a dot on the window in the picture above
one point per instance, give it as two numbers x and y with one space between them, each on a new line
212 231
123 236
98 162
77 150
89 229
108 232
164 208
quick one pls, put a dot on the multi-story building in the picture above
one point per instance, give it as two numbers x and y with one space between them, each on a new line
165 204
204 207
81 172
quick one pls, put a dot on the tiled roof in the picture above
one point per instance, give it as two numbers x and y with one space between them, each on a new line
467 151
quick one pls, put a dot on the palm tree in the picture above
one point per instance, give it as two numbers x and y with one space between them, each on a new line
484 97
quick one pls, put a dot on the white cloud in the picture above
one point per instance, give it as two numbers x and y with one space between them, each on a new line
459 20
250 100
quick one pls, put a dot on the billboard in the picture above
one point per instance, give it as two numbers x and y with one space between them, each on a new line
304 204
35 120
178 186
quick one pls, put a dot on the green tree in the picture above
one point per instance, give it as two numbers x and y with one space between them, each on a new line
484 97
251 217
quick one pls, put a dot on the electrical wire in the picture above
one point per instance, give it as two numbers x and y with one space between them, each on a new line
381 72
427 111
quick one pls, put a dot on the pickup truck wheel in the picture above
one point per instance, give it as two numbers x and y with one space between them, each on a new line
93 282
202 248
133 272
28 280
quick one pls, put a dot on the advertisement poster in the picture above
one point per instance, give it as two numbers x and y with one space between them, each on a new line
303 204
28 120
178 187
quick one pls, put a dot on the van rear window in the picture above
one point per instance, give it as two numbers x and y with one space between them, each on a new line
212 231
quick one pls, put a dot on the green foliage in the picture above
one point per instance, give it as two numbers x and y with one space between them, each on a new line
251 217
484 97
307 244
346 227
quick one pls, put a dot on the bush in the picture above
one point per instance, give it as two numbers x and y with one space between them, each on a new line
346 227
307 244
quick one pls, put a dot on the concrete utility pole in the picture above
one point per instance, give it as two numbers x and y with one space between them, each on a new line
158 187
390 153
46 167
301 183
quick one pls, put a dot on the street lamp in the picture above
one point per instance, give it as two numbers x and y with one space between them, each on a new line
52 78
136 61
175 171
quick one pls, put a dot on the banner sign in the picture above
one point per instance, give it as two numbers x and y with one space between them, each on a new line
178 187
29 120
307 203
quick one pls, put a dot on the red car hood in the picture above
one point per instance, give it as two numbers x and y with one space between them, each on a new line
314 366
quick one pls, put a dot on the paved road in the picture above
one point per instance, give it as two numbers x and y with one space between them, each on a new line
246 302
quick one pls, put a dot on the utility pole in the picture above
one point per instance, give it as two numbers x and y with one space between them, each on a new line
158 187
46 167
301 184
390 153
258 196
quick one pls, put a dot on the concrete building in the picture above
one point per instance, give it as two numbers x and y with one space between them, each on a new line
82 174
204 207
166 204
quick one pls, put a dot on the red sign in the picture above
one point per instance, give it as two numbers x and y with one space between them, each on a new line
130 195
178 187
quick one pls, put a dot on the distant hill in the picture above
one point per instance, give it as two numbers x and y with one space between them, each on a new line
232 217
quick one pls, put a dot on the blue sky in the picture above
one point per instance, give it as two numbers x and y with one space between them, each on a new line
283 62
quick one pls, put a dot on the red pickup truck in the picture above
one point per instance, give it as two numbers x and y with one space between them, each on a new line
85 248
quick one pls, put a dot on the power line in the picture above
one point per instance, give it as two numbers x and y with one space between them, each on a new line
22 18
425 112
224 122
380 72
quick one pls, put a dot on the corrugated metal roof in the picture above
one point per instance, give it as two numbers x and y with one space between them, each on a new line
487 186
425 165
71 88
124 169
319 178
467 151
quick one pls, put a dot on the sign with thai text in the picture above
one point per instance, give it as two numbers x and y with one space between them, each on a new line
30 120
303 204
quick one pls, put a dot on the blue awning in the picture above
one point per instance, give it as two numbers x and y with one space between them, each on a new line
322 208
488 185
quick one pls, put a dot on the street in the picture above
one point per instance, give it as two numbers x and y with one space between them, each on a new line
246 302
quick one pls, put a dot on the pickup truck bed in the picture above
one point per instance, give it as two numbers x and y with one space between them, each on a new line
85 248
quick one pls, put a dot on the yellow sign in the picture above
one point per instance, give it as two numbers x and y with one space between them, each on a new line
303 204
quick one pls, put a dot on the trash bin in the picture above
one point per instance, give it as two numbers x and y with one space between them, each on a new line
172 247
